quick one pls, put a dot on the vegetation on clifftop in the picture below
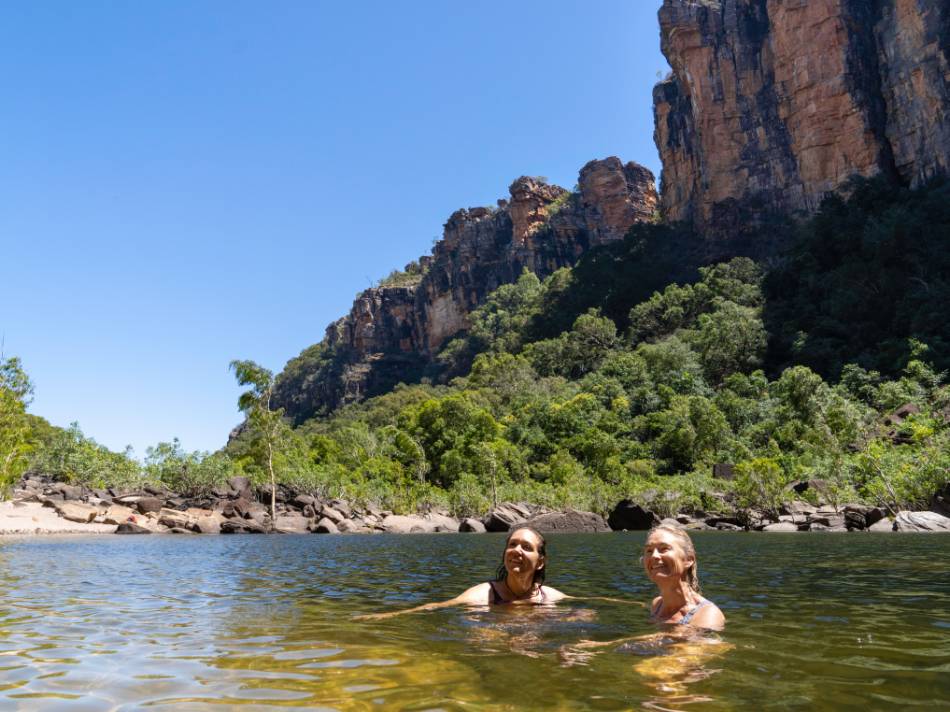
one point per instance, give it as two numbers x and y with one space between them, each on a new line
636 371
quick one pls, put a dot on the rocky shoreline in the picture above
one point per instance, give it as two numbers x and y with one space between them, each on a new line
43 506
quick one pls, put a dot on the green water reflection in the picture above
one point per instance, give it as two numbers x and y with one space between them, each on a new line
815 622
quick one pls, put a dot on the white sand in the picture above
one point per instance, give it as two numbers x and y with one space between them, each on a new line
33 518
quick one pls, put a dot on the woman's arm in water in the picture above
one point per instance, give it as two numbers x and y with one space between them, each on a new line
475 596
628 601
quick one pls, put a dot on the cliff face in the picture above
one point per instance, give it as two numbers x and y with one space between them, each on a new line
774 103
393 331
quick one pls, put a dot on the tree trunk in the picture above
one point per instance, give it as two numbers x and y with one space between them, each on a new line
273 486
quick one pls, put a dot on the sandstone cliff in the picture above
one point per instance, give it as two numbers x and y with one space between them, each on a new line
392 332
774 103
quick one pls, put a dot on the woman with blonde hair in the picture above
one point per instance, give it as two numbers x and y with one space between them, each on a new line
669 559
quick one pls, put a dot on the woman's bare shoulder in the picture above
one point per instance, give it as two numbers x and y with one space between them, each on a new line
709 616
477 594
552 594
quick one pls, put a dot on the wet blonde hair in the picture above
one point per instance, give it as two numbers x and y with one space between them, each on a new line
682 538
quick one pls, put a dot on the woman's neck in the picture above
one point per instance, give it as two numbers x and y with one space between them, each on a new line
520 586
674 596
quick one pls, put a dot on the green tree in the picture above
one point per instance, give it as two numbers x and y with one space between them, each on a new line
266 425
16 441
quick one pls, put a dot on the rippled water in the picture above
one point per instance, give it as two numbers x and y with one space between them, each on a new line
121 623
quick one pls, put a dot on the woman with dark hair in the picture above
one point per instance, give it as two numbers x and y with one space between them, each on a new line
520 578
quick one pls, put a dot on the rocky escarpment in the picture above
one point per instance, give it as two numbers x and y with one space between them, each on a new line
774 103
393 331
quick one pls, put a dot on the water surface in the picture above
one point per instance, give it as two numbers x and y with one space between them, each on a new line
816 621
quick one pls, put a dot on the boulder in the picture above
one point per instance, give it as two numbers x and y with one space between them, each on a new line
797 508
442 522
116 514
130 528
350 526
631 516
832 521
240 508
854 520
882 525
505 516
173 519
697 526
781 527
716 521
76 512
71 493
326 526
241 487
149 504
292 524
471 525
334 515
921 522
569 520
874 515
342 507
209 523
302 501
399 524
237 525
727 527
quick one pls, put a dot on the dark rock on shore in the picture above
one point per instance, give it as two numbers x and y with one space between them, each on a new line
630 516
240 508
506 515
568 521
130 528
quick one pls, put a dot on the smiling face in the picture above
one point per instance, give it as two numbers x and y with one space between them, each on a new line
523 552
664 557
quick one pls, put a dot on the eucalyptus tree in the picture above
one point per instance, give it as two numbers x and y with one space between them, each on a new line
265 423
15 432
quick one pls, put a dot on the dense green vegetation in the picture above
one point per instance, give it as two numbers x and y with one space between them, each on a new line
631 375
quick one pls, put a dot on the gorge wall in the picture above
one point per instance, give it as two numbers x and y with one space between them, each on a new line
393 331
774 103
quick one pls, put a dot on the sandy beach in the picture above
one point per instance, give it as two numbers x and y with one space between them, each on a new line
17 518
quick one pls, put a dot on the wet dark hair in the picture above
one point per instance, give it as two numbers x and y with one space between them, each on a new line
538 579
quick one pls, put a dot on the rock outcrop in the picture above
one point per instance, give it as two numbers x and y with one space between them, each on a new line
774 103
392 332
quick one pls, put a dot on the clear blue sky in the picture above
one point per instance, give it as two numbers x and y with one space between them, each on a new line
186 183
